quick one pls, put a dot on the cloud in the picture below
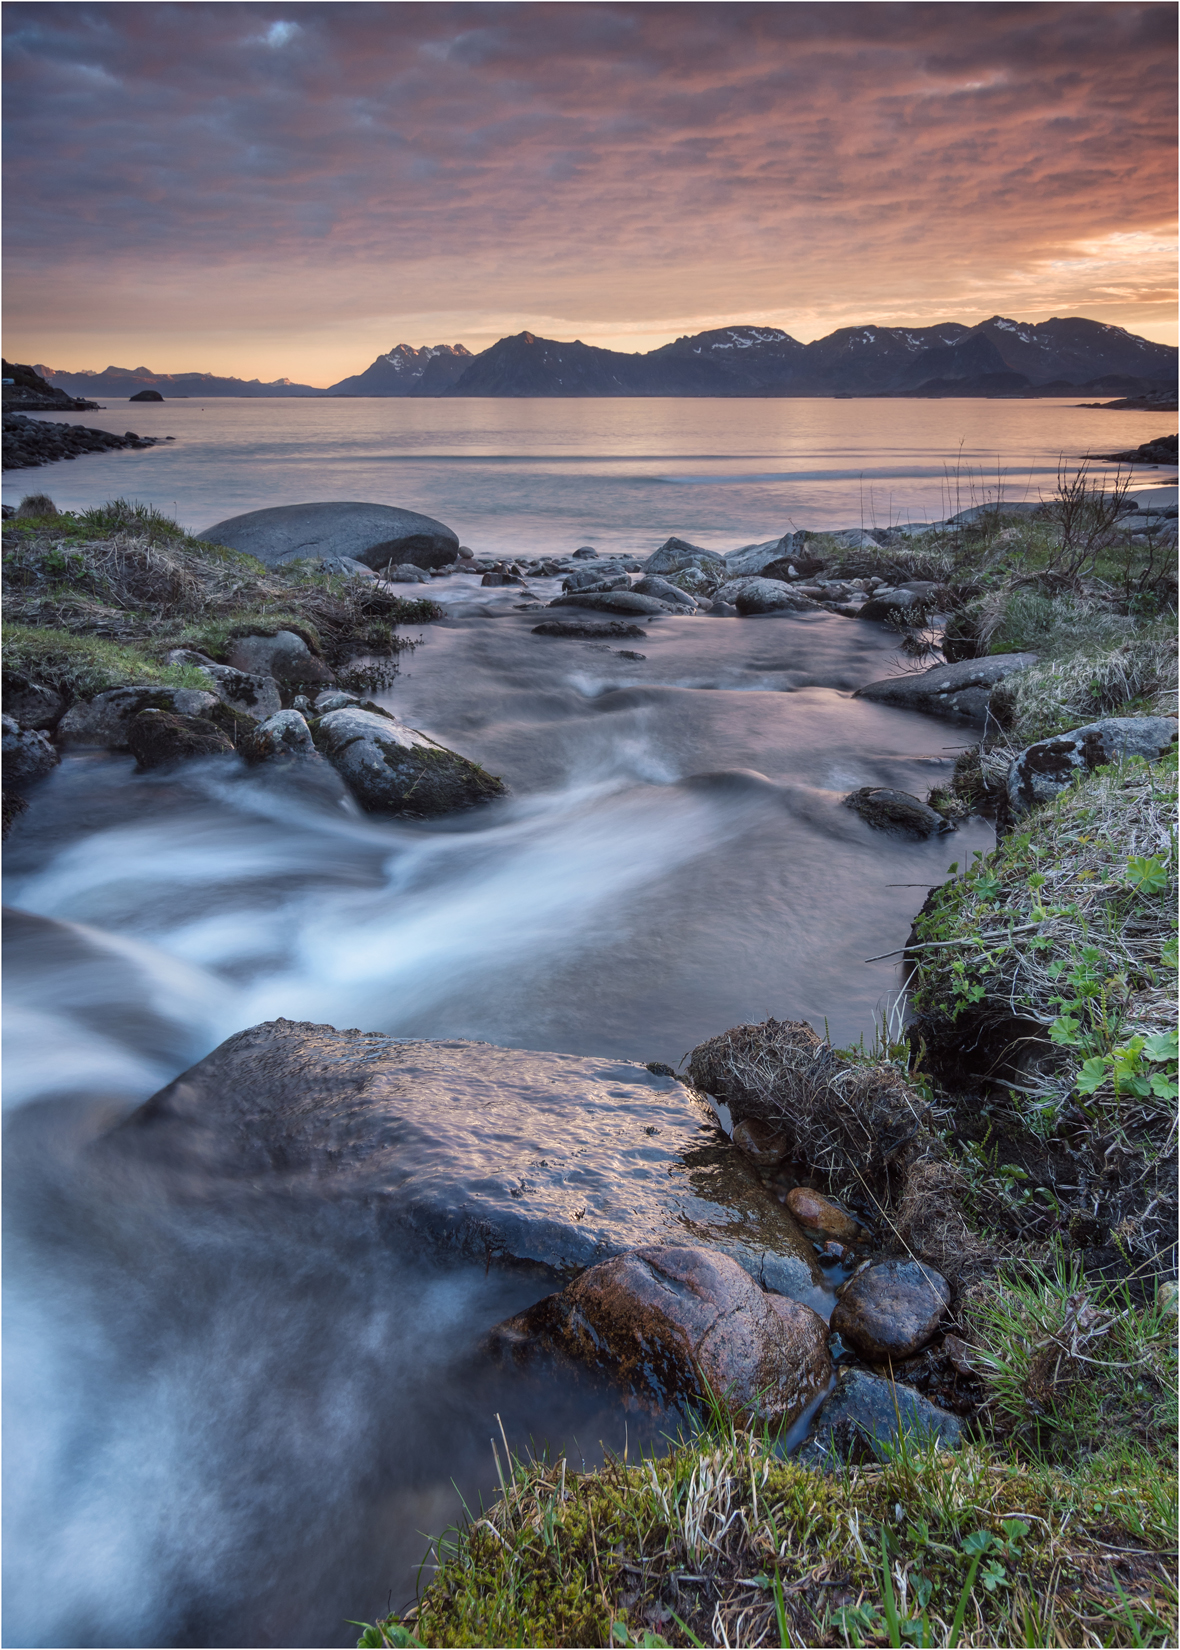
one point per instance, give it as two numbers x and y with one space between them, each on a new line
616 164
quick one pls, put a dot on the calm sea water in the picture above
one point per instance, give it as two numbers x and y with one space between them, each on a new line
543 476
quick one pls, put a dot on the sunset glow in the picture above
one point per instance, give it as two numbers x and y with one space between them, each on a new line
288 190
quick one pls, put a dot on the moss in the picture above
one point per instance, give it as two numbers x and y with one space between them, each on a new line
724 1541
81 666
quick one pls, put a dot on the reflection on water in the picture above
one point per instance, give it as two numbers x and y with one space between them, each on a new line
229 1424
526 477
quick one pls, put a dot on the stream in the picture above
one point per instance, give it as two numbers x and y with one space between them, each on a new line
235 1421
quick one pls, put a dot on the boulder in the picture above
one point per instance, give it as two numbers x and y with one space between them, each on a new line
393 769
1043 770
585 553
373 534
106 719
254 695
406 573
26 755
665 592
960 692
346 567
284 656
897 811
158 737
750 560
901 602
770 596
146 395
613 601
891 1309
333 699
676 554
820 1214
29 703
495 1153
698 581
673 1322
282 737
870 1413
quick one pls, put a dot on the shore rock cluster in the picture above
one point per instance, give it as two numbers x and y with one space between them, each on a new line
31 442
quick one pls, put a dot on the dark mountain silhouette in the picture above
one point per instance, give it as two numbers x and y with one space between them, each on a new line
408 371
121 383
999 357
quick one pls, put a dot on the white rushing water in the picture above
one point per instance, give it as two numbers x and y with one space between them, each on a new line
525 477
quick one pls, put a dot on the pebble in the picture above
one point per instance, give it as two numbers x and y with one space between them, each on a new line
821 1214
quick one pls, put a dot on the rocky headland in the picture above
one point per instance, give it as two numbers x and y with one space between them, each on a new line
938 1268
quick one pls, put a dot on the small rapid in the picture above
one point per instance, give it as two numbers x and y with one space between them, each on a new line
235 1422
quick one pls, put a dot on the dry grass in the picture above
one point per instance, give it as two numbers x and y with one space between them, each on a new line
1134 676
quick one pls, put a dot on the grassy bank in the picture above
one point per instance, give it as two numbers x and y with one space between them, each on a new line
97 599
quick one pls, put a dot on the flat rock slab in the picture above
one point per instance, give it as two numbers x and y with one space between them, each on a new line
683 1322
373 534
870 1411
959 692
891 1309
612 631
1044 770
499 1153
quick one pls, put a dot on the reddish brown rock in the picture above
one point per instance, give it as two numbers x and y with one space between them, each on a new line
891 1309
669 1321
761 1143
821 1214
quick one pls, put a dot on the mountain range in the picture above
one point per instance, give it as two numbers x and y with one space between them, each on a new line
999 357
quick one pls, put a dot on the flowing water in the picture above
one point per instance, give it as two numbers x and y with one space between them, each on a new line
233 1422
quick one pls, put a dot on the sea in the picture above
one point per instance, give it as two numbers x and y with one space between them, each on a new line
535 477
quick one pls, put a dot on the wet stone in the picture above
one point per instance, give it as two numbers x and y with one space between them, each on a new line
867 1411
762 1143
897 812
157 737
667 1320
821 1214
891 1309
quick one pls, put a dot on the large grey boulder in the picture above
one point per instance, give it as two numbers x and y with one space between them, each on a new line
673 1322
106 719
960 692
26 755
612 601
1043 770
393 769
284 656
374 534
497 1153
770 596
676 554
253 695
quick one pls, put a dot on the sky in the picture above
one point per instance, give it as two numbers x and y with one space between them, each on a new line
289 190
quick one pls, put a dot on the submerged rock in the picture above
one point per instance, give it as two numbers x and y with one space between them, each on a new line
677 1322
612 601
373 534
1044 770
960 691
866 1412
394 769
897 811
106 719
497 1153
615 629
820 1214
158 737
891 1309
764 1145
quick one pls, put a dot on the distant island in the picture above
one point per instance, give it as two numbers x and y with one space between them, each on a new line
998 358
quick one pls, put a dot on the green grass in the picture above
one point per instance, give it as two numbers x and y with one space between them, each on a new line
80 666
